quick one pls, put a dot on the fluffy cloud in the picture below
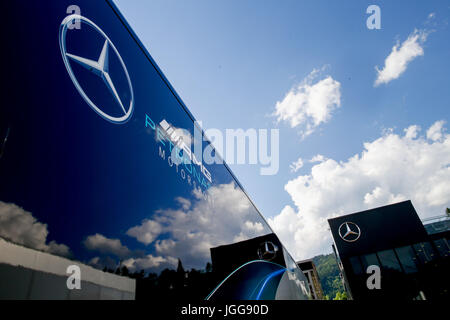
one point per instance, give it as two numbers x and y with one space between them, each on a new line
146 232
102 262
21 227
100 243
58 249
187 231
390 169
185 203
435 132
150 262
400 56
412 131
317 158
224 216
310 103
296 165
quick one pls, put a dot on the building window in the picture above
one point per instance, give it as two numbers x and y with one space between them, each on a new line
424 251
407 259
389 260
369 260
356 265
442 247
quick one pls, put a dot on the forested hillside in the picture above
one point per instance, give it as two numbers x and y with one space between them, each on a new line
328 271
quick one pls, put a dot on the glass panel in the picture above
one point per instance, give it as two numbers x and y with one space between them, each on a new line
425 252
389 260
369 259
442 247
407 259
438 226
356 265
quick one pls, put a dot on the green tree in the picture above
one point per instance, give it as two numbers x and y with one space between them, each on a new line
341 296
328 271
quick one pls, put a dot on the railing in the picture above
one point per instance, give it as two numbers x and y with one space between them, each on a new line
437 224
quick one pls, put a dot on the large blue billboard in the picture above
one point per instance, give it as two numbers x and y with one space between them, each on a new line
98 165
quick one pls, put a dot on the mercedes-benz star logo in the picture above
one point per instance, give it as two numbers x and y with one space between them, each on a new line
349 231
267 251
99 67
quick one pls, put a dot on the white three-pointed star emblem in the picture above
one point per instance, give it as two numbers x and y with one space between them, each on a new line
99 67
349 231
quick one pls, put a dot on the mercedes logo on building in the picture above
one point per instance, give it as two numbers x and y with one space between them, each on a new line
349 231
99 67
267 251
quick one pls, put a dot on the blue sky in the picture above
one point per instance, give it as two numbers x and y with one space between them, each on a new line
232 61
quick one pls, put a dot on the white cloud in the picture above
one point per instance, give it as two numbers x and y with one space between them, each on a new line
58 249
379 196
21 227
317 158
390 169
296 165
412 131
253 227
100 243
102 262
165 245
185 203
146 232
400 56
187 231
150 262
435 132
309 104
203 223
